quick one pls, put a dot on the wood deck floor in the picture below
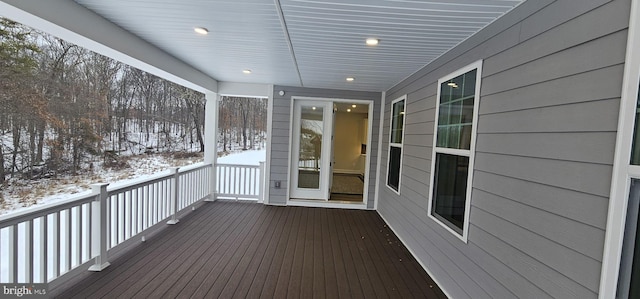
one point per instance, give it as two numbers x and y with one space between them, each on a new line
248 250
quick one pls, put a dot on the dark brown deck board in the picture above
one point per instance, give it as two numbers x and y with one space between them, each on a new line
274 266
209 258
292 289
380 280
374 236
164 281
330 273
355 248
249 276
213 288
220 257
131 262
143 282
247 250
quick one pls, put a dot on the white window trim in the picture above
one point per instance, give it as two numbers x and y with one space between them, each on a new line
400 145
623 172
458 152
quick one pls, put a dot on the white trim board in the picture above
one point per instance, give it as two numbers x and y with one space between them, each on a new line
622 171
327 204
267 167
249 90
379 160
398 145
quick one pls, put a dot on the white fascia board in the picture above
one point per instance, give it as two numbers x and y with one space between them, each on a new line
76 24
250 90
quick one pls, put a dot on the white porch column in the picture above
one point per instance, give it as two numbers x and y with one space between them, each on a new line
211 137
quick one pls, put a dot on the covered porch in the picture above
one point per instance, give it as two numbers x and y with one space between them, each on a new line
218 248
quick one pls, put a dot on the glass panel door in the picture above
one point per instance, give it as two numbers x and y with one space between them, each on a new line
311 150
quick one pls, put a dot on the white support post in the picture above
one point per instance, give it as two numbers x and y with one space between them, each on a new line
174 195
261 184
211 139
99 227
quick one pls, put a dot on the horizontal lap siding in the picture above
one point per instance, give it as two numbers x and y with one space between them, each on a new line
548 112
282 126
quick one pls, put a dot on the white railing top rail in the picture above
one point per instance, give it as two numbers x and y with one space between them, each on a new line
238 165
130 185
194 167
43 210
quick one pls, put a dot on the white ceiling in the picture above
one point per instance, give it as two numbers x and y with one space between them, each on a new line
311 43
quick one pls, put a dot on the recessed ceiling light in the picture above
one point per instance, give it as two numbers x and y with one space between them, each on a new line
453 84
351 79
353 106
201 30
313 108
348 110
372 41
247 71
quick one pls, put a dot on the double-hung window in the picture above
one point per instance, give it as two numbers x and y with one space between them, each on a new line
394 168
454 148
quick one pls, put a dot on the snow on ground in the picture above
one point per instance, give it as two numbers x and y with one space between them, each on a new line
22 194
251 157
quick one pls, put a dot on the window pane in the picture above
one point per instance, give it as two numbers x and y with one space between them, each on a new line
469 88
455 115
393 178
397 121
450 189
311 130
463 86
444 115
629 275
467 111
465 137
446 90
635 147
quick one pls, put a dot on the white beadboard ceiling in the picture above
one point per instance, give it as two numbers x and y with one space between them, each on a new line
311 43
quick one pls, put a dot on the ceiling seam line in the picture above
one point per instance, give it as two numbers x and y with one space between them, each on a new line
288 38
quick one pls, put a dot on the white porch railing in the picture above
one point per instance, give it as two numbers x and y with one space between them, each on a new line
240 181
39 245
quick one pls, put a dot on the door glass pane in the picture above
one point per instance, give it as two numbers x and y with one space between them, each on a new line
450 192
310 160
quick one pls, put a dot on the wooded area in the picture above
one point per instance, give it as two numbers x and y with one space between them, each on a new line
64 108
242 122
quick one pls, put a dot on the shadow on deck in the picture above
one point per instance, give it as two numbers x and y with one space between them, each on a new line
247 250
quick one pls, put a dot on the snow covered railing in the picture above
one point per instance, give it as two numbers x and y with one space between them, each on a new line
240 181
40 244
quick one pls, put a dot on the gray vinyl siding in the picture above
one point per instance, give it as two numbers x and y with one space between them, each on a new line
282 126
548 113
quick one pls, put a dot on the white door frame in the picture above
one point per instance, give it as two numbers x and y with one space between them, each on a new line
322 193
316 203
